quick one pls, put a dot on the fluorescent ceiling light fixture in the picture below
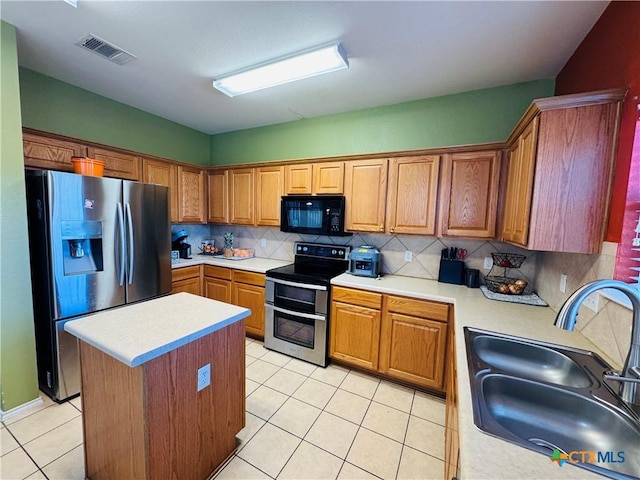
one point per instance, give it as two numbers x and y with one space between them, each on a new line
304 65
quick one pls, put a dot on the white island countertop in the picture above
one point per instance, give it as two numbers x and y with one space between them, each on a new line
255 264
483 456
137 333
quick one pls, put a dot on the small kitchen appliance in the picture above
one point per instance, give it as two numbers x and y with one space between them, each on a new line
365 261
313 215
179 243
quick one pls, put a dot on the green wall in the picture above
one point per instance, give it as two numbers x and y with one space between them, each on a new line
18 377
480 116
54 106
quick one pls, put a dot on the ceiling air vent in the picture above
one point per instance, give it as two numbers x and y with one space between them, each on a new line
106 49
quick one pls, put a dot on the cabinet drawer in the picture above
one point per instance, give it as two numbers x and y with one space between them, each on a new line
357 297
418 308
217 272
183 273
250 278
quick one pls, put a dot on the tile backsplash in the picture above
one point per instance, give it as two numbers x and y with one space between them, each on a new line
610 328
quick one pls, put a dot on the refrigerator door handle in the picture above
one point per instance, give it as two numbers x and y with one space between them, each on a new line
131 242
123 253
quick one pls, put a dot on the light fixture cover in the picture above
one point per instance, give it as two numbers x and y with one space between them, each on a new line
303 65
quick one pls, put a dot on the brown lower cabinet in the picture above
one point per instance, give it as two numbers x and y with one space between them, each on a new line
186 279
402 338
238 287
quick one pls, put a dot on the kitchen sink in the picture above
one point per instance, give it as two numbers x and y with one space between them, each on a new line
551 399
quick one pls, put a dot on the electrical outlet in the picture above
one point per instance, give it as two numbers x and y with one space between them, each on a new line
263 242
408 255
204 376
488 263
592 301
563 283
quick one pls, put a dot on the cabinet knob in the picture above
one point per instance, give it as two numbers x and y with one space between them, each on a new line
392 230
382 228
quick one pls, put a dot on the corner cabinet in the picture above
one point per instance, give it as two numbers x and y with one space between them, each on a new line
162 173
401 338
559 171
191 195
469 185
413 195
50 153
218 188
365 192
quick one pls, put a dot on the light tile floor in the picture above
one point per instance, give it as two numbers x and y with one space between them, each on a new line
302 422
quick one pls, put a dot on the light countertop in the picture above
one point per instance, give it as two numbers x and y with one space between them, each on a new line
255 264
483 456
137 333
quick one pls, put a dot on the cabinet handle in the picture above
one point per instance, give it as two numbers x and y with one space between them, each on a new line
392 230
382 228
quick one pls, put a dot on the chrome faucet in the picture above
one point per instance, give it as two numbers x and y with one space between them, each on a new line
629 378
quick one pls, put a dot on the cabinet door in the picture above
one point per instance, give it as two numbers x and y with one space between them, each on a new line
469 194
189 285
218 211
413 194
328 178
269 188
191 195
365 192
413 349
117 164
162 173
355 335
298 179
519 190
241 196
217 289
251 297
49 153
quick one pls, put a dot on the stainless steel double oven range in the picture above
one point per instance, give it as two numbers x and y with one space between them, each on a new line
298 301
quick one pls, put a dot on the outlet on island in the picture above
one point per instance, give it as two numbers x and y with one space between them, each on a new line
204 376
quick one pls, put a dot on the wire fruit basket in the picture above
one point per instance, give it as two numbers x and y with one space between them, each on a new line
505 285
507 260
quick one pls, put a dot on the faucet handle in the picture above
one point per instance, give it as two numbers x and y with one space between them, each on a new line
613 375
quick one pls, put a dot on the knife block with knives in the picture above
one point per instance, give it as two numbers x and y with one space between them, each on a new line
452 266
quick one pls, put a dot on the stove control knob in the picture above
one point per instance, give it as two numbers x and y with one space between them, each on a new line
341 252
299 248
334 251
304 249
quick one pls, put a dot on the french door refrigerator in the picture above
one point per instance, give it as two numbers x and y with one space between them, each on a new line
95 243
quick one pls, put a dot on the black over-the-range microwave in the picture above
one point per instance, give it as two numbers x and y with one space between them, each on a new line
315 215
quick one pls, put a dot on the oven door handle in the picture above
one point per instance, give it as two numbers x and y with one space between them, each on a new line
308 286
310 316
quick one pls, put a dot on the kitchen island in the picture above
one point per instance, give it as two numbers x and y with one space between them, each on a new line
145 413
483 456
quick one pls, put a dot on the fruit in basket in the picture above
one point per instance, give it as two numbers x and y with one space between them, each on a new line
503 288
241 252
520 282
505 263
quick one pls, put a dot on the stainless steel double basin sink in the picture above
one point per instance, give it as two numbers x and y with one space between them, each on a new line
553 400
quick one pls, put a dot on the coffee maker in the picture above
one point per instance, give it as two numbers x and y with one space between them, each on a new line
179 243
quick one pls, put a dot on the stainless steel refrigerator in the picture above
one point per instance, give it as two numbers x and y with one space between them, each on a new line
95 243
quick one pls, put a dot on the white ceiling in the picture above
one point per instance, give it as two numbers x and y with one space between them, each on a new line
398 51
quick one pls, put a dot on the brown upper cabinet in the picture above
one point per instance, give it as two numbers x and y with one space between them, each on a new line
469 186
241 185
191 195
365 192
314 178
559 172
218 183
269 189
117 164
50 153
413 194
159 172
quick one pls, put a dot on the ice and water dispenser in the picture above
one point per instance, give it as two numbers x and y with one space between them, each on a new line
82 246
